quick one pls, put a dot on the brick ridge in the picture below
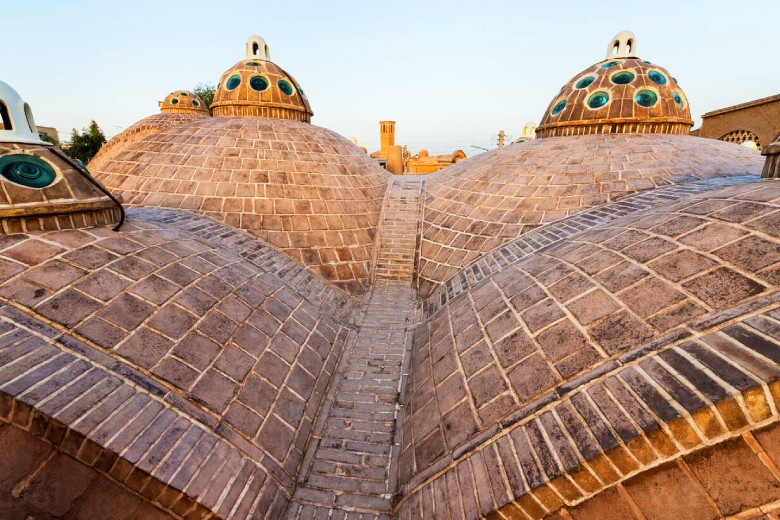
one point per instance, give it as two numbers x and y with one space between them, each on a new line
264 256
547 235
688 392
61 395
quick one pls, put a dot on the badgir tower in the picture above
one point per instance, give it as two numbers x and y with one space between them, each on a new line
234 313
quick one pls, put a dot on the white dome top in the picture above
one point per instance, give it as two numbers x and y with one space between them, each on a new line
18 125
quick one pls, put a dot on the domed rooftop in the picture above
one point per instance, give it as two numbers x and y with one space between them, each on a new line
257 87
183 102
620 94
40 186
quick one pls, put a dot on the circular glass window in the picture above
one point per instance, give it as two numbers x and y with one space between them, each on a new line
559 106
656 77
174 101
598 100
233 82
646 98
27 170
623 78
679 100
609 64
585 82
285 87
258 83
196 102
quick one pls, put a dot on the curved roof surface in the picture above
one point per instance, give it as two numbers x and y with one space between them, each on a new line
540 327
302 188
481 203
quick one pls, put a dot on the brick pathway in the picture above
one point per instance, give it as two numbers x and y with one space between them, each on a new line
351 464
400 229
350 469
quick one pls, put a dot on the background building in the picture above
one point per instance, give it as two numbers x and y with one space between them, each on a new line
754 123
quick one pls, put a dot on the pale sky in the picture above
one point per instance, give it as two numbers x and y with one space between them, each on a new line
452 74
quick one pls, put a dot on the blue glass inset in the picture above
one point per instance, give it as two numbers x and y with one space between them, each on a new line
174 101
598 100
285 87
196 102
27 170
184 93
258 83
646 98
559 106
656 77
623 78
585 82
608 65
678 99
233 82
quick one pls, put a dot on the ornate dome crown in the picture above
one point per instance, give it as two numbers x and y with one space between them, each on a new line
257 87
621 94
183 102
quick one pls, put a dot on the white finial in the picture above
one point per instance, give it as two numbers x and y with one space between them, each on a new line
257 49
18 125
623 45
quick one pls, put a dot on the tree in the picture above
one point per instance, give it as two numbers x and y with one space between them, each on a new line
205 91
84 145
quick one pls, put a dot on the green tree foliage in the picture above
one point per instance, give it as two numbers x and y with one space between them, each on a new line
85 144
205 91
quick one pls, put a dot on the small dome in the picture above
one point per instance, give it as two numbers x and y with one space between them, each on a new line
621 94
16 120
183 102
257 87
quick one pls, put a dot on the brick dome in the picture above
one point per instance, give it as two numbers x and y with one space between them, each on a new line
257 87
621 94
302 188
183 102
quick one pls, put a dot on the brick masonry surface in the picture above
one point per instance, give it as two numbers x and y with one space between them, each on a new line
479 204
224 337
299 187
509 348
578 365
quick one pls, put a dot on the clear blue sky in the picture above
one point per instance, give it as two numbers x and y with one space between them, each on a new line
450 73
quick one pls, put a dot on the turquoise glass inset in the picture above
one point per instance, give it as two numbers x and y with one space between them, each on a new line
285 87
559 106
174 101
646 98
27 170
623 78
656 77
598 100
184 93
258 83
233 82
608 65
678 99
585 82
252 64
196 102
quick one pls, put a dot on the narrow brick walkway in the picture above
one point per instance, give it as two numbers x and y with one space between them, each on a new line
350 468
398 232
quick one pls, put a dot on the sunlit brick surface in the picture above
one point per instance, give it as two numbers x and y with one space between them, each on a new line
301 188
508 361
479 204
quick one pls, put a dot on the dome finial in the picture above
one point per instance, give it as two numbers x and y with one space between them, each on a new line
623 45
257 49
